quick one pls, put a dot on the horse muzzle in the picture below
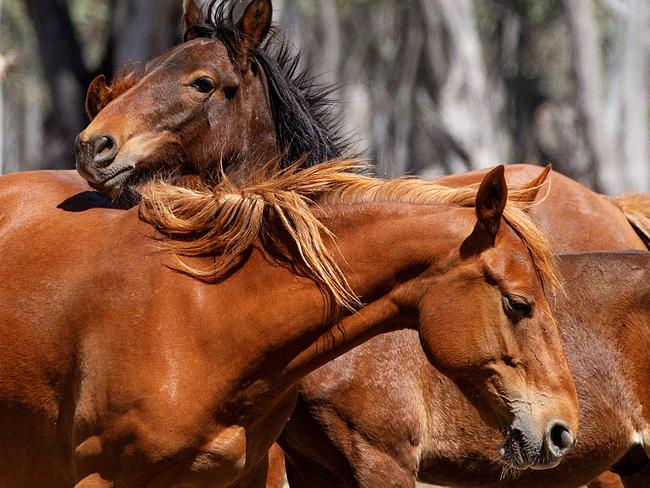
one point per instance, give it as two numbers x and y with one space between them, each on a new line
97 162
526 448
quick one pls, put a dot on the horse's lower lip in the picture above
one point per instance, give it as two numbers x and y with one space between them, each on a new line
115 179
511 454
545 467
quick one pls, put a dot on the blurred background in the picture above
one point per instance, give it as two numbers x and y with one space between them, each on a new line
427 86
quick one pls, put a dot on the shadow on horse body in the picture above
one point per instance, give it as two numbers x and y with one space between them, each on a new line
120 368
382 416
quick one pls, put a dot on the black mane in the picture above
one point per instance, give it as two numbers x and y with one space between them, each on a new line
303 110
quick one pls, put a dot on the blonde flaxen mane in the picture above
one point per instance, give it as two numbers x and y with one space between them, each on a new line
226 221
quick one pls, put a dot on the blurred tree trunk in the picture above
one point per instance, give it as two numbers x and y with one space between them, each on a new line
66 76
328 34
629 90
383 42
465 101
403 90
143 29
588 71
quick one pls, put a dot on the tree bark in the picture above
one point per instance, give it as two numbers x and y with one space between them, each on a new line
329 41
464 98
629 85
410 54
65 73
588 72
143 29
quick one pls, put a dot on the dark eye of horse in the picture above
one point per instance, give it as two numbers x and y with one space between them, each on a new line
517 308
203 85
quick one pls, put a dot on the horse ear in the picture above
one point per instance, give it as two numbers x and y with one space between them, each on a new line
528 194
491 201
98 96
253 19
192 16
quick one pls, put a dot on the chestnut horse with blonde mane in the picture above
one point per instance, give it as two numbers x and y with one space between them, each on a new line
360 442
119 368
381 416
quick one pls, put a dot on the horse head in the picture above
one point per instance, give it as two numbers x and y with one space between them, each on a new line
202 104
230 96
484 320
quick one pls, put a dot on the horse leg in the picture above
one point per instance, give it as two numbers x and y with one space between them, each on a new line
606 480
277 471
94 481
377 468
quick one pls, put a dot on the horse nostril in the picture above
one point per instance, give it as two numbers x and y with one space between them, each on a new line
560 439
105 149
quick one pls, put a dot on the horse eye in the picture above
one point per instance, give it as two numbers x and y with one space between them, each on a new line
517 308
203 85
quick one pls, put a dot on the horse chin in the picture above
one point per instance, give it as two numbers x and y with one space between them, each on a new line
115 184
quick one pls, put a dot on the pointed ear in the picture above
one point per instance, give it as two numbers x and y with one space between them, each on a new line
490 203
491 199
253 19
98 96
528 194
192 15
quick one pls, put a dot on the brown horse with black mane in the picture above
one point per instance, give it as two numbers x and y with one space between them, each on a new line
223 98
118 370
382 416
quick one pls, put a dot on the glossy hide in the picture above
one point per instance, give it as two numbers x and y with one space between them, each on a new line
130 374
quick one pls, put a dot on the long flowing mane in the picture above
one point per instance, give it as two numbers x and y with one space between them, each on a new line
227 220
303 109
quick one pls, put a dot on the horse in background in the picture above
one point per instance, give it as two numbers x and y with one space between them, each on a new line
230 95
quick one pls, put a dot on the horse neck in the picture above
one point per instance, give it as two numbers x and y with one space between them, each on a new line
382 246
634 338
618 285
